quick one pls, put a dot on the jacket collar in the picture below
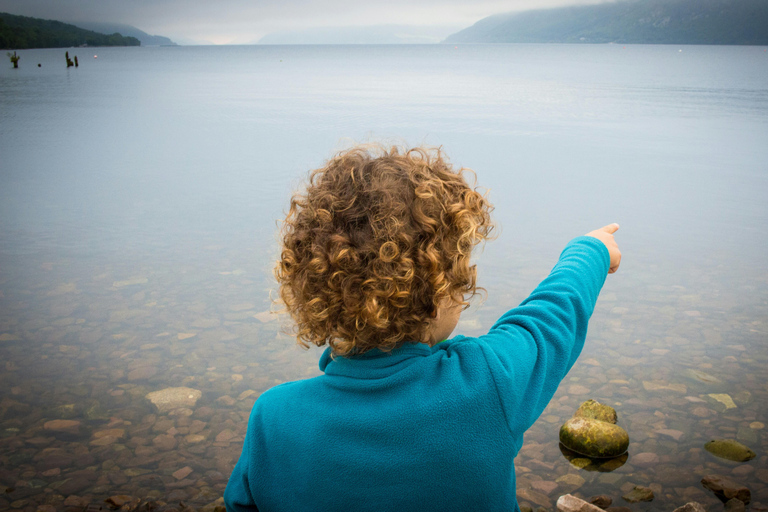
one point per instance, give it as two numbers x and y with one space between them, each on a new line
374 363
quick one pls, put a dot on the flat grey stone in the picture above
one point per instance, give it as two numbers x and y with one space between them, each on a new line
169 399
570 503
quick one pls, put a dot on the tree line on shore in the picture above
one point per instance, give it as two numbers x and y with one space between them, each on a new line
22 32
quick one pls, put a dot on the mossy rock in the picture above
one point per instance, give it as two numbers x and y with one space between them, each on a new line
595 410
594 438
730 450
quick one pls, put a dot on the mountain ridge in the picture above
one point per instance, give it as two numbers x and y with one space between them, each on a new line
127 31
730 22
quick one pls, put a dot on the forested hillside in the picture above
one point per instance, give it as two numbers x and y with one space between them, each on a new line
20 32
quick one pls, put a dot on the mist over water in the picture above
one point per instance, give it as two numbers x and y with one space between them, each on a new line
139 200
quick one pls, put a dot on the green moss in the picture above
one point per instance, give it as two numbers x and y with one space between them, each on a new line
729 449
594 438
597 411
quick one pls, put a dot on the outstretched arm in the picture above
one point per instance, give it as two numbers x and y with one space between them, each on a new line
532 347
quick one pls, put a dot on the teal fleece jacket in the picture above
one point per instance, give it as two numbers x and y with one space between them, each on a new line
421 428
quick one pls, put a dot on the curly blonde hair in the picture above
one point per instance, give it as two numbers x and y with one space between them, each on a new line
376 243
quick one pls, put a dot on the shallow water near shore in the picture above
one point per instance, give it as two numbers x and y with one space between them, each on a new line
139 195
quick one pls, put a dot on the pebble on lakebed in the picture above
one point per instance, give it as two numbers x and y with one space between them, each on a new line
638 494
592 431
174 398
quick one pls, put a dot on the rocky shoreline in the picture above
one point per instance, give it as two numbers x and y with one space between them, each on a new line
175 458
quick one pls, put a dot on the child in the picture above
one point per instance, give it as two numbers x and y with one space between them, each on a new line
375 264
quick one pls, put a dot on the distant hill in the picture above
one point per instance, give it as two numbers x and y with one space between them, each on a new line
377 34
127 30
20 32
733 22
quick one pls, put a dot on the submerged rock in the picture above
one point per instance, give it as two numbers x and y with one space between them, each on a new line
534 496
66 411
214 506
142 373
701 376
68 426
742 398
571 479
692 506
164 442
729 449
601 500
645 459
119 500
174 398
95 411
545 486
724 399
182 473
639 493
726 489
669 432
594 438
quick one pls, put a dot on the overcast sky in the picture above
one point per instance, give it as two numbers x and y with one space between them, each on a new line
245 21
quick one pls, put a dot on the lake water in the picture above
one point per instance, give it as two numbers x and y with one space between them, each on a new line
139 195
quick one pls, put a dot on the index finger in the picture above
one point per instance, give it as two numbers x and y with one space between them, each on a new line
610 228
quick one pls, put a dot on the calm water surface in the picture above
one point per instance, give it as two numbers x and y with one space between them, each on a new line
139 195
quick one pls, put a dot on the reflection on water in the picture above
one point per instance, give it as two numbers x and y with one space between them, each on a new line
579 461
139 197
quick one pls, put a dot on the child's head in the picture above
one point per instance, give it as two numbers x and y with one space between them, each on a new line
379 241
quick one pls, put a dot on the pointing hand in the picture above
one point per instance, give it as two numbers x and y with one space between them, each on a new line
605 235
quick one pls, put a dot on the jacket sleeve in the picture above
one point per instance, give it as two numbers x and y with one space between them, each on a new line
237 495
531 348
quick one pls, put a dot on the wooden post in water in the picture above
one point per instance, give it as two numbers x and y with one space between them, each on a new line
69 61
14 58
